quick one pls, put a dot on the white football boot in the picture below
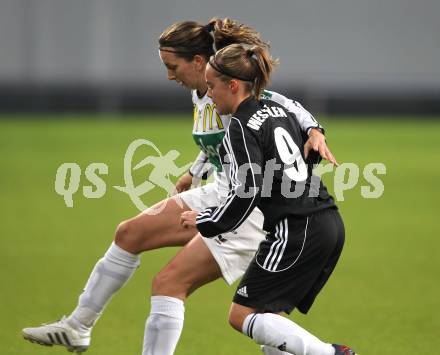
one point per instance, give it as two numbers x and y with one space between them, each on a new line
58 333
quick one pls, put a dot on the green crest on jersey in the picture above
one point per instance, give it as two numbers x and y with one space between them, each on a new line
266 95
209 144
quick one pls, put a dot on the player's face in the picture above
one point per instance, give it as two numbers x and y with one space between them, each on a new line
180 70
219 92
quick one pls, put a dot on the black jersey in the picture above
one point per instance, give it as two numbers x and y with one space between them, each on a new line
263 154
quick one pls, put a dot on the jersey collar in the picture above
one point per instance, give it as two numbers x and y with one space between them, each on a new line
246 104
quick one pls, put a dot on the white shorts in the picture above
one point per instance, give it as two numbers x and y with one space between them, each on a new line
233 251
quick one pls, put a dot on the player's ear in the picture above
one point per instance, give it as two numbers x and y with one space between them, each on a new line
233 85
199 61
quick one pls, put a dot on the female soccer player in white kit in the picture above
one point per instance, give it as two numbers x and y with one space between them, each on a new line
184 49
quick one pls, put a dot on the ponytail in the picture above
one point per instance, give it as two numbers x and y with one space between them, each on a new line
189 38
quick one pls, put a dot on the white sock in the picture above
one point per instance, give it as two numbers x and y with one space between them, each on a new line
163 326
281 333
108 276
268 350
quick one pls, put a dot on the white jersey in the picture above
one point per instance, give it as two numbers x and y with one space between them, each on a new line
209 130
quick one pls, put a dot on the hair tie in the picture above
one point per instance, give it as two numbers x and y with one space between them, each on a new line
209 27
251 54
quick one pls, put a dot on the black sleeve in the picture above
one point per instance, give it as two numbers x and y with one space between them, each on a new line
244 157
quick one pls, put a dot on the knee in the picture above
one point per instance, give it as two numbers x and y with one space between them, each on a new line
128 236
122 231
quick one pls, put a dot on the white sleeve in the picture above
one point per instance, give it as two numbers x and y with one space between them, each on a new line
201 168
304 117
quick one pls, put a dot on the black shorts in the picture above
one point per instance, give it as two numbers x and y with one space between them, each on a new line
293 263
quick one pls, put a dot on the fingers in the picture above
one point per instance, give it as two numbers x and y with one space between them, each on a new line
331 158
184 217
183 220
322 149
177 190
326 154
184 183
307 148
188 219
180 187
318 144
185 224
313 143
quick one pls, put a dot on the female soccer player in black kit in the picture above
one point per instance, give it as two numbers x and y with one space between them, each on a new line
263 152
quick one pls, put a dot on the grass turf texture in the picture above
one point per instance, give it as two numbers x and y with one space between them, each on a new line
382 299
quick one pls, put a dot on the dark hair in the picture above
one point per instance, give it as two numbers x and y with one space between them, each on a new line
190 38
252 64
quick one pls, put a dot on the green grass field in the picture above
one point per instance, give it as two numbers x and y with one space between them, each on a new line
382 299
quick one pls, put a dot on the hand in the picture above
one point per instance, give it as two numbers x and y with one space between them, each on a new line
184 183
317 142
188 219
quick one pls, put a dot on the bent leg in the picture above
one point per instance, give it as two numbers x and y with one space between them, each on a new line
192 267
156 227
110 273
